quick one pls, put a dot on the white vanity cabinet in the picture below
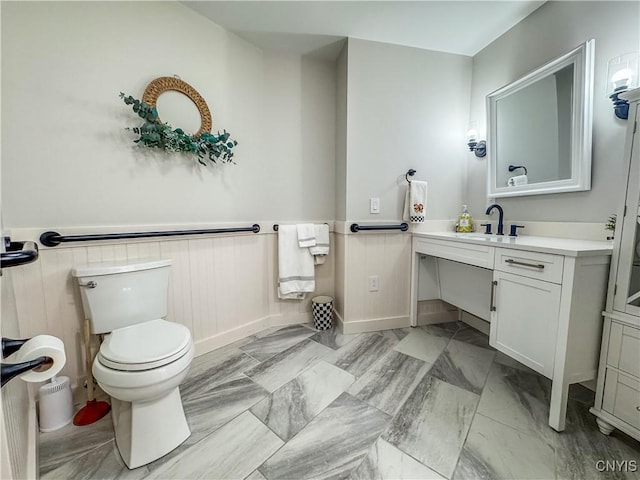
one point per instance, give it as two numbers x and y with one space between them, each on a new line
526 306
617 403
545 299
524 324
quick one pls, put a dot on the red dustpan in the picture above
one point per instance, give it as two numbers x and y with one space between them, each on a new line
94 410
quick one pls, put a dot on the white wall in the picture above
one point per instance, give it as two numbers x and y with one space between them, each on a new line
407 108
552 30
341 133
67 160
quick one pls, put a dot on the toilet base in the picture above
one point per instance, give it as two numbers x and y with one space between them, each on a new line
146 431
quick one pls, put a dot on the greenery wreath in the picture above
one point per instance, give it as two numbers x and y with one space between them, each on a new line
155 134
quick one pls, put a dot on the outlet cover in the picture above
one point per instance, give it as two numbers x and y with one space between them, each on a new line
374 283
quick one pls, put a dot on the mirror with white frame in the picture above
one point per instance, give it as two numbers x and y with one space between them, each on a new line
540 129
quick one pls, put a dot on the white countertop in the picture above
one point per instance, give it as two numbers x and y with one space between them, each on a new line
559 246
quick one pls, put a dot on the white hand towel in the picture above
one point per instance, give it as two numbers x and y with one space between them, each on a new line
415 202
517 180
321 249
306 235
295 265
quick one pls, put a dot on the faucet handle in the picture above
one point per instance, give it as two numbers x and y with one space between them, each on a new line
513 230
487 229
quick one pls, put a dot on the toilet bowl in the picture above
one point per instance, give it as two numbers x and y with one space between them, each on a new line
143 358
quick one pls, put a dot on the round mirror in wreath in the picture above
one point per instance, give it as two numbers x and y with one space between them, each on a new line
155 133
173 84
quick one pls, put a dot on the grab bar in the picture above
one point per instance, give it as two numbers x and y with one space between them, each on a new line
355 228
52 239
18 253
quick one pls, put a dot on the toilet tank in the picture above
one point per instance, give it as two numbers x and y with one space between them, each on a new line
119 294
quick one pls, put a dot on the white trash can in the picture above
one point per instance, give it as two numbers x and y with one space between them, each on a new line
55 404
322 308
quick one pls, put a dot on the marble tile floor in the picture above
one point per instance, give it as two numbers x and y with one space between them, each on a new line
429 402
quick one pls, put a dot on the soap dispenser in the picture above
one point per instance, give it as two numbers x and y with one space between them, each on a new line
465 222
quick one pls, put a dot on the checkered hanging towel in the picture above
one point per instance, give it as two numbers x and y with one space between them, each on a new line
415 202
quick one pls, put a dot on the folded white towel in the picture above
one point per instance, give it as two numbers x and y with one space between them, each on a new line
415 202
321 249
295 265
517 180
306 235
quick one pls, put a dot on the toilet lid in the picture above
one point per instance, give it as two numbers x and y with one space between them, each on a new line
145 346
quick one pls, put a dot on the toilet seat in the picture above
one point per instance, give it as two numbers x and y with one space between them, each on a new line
144 346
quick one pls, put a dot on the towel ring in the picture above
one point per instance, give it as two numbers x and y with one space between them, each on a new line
410 173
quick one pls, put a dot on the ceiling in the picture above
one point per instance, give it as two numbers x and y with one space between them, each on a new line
319 27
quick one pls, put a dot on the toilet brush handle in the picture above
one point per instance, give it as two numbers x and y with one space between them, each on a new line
88 358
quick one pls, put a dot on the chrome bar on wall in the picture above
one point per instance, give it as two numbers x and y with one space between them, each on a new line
355 228
51 239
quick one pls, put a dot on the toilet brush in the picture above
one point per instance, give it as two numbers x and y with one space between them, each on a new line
94 410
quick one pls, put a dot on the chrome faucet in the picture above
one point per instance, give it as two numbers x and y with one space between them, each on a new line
500 217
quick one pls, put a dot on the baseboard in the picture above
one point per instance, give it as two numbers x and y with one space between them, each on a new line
475 322
582 376
338 320
590 384
208 344
437 317
373 325
289 319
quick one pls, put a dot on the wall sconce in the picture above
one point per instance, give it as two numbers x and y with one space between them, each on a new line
622 75
479 148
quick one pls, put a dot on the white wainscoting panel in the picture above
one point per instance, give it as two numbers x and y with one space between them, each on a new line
341 278
387 256
222 288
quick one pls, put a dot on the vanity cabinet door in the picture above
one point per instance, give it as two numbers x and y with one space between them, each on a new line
524 321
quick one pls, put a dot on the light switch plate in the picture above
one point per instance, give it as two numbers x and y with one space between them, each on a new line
375 204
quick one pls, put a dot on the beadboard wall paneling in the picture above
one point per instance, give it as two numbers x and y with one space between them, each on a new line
222 288
340 301
18 430
387 256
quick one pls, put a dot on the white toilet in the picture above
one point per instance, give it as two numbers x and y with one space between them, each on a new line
143 359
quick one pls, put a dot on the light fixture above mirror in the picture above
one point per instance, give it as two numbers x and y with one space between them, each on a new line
622 75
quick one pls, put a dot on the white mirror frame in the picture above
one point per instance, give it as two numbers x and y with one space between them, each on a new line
581 123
